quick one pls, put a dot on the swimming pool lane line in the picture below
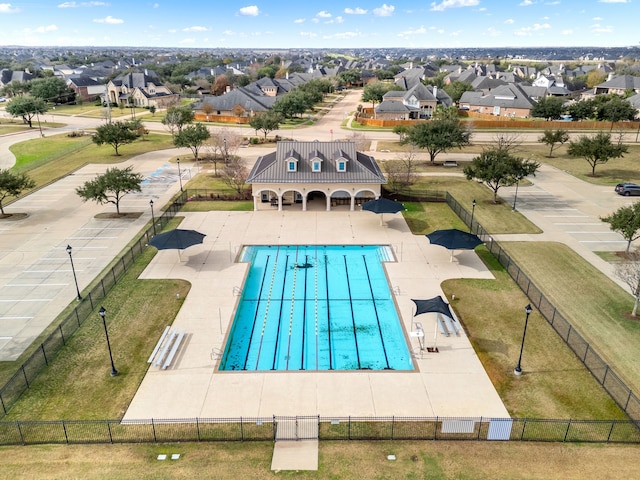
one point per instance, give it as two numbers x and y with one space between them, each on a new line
315 296
304 312
353 319
375 308
284 283
266 312
291 311
326 279
255 315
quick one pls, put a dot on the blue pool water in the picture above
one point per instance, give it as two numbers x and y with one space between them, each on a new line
316 308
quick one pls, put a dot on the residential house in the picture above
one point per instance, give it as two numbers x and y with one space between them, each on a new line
143 89
619 85
86 88
314 176
505 101
7 76
419 102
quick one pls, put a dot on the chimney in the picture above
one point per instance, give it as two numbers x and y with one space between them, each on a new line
227 89
435 92
410 64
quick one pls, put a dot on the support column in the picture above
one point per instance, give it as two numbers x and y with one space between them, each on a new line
255 203
352 207
279 202
304 202
328 201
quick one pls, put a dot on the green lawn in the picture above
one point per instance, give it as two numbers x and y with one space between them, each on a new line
51 158
433 460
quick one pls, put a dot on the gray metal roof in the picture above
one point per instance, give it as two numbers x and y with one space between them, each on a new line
272 168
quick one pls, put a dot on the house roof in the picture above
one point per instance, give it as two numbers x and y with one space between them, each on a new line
507 96
622 82
250 100
393 106
272 168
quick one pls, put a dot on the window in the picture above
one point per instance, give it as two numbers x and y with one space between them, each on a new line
291 166
316 166
342 166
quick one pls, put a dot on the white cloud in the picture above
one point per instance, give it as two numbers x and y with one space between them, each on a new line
343 35
597 19
417 31
323 14
527 31
509 21
250 11
156 5
8 8
567 32
614 1
299 20
384 10
492 32
441 7
526 3
195 28
42 29
338 19
355 11
308 34
108 19
315 20
597 28
82 4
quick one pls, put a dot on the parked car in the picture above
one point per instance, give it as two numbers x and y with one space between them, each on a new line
627 189
2 99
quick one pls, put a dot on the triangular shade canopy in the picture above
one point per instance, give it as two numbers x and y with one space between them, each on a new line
435 304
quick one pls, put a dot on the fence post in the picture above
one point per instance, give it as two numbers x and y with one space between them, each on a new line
109 430
20 432
613 422
44 354
241 430
393 425
349 429
274 428
198 428
62 334
524 425
64 429
567 431
25 375
4 409
153 428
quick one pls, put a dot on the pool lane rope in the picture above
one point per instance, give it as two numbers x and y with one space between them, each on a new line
292 307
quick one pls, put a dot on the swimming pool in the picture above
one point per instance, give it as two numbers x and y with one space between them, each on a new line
316 307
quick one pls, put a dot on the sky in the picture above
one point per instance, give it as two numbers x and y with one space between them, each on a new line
326 24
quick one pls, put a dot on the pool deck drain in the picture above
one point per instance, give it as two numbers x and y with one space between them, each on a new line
451 383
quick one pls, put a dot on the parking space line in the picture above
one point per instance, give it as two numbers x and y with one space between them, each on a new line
28 300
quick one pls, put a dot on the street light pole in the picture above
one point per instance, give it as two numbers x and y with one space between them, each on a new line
527 311
102 312
473 211
515 198
226 158
73 269
179 174
153 218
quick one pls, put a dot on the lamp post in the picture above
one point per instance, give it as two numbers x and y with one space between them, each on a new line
153 218
473 211
527 311
73 269
102 312
179 174
515 198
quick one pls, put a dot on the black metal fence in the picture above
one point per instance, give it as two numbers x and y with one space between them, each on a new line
604 374
48 349
316 427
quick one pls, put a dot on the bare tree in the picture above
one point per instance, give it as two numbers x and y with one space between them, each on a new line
223 145
235 173
361 141
401 173
509 142
629 272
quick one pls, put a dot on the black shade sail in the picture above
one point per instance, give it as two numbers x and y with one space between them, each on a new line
435 304
177 239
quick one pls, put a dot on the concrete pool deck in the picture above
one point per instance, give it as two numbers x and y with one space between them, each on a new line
449 383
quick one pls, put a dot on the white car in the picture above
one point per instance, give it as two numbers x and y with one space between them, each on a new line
2 99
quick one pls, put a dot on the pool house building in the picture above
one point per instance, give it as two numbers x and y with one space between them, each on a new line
302 175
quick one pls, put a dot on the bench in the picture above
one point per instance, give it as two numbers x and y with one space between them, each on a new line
166 348
442 326
450 163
